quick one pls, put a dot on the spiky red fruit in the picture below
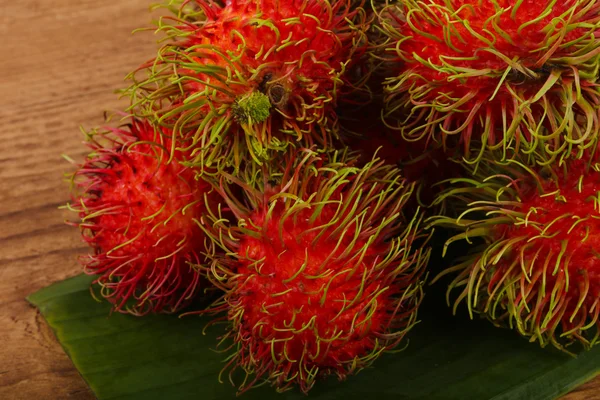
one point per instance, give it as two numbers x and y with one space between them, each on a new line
321 278
510 74
138 212
539 269
270 68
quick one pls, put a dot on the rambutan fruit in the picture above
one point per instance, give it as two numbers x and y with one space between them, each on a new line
138 211
515 75
320 274
246 77
534 265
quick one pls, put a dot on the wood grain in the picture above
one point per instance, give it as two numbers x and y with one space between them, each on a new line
62 61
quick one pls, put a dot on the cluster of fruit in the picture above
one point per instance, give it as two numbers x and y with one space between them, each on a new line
290 160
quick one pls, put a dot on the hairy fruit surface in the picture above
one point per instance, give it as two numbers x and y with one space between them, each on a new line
511 75
139 213
321 277
242 78
538 268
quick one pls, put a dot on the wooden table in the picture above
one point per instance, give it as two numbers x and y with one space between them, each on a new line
61 62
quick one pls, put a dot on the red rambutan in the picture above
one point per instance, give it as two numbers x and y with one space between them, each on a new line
252 76
320 276
515 75
139 213
538 268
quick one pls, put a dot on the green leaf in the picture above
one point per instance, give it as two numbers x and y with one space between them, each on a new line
165 357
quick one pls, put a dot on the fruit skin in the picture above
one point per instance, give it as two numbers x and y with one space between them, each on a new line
517 76
320 277
139 212
534 264
300 55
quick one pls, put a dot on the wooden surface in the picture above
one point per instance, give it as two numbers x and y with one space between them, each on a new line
61 62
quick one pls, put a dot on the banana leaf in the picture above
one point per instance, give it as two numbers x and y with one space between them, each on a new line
166 357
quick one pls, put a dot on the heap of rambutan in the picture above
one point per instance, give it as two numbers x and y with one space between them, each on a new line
139 210
236 172
534 265
239 79
515 75
319 272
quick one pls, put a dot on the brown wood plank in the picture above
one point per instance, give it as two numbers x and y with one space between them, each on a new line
62 60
